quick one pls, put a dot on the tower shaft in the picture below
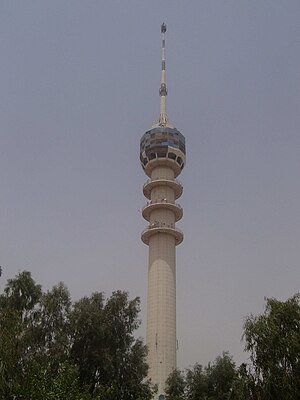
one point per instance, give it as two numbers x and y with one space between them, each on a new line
161 308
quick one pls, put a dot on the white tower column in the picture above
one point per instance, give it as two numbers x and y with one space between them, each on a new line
161 328
162 155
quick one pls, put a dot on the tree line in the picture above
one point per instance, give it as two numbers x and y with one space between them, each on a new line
54 349
273 372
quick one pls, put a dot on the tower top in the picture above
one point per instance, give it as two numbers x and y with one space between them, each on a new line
162 144
163 118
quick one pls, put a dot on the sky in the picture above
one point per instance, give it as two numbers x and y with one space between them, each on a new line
79 86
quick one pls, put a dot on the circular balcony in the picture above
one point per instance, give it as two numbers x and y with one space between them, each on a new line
163 204
162 161
159 227
173 184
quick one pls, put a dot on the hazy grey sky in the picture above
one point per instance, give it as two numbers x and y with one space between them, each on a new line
78 88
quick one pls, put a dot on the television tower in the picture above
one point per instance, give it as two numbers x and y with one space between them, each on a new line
162 156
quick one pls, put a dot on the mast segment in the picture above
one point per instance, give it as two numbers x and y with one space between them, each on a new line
163 118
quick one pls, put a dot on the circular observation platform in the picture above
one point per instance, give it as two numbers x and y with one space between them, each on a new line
158 205
156 228
162 146
173 184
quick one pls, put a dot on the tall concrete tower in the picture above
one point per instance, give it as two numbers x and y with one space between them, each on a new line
162 155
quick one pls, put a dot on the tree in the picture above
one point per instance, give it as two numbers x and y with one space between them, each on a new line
196 383
88 350
16 306
216 381
110 360
48 330
21 294
273 340
244 386
220 377
175 386
52 349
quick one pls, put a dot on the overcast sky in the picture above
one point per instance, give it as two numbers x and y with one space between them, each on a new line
78 88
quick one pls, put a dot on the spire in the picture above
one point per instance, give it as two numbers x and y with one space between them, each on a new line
163 119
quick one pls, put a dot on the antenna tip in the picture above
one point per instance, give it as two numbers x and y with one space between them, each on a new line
163 28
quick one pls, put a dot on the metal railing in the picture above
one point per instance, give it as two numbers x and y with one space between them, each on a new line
162 201
157 224
163 179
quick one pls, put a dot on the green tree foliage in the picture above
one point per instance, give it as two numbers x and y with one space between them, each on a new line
52 349
16 306
220 378
110 359
244 387
196 383
48 331
213 382
175 386
21 294
273 340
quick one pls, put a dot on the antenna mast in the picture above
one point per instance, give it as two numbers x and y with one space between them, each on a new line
163 118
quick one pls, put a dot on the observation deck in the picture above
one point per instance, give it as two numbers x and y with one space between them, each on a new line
159 227
162 146
162 204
